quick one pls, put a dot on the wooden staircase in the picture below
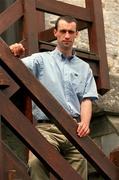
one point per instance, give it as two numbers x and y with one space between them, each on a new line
14 77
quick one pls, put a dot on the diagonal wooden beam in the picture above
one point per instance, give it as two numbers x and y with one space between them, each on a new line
35 141
83 15
4 81
61 8
11 15
7 84
53 109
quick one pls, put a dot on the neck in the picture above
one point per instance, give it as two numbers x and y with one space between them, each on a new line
67 52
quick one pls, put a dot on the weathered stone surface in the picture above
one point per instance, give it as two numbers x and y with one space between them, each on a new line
110 101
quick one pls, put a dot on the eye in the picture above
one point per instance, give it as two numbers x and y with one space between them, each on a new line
71 32
63 31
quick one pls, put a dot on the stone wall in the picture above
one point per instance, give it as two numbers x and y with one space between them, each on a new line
111 21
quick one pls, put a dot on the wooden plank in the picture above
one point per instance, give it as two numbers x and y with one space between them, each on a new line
30 26
1 155
46 35
30 33
11 174
4 82
7 84
114 156
45 46
97 43
40 21
61 8
13 163
11 15
53 109
35 141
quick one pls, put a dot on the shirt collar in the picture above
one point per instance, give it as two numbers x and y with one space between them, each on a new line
63 56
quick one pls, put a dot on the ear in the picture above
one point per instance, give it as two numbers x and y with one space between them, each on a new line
77 33
55 32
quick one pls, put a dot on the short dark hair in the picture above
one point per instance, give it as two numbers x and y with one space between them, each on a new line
68 19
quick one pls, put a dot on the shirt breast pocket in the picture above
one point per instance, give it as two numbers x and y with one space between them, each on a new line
78 83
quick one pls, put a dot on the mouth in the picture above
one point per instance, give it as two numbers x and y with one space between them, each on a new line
67 42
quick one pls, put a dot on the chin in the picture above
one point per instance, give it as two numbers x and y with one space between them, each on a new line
66 46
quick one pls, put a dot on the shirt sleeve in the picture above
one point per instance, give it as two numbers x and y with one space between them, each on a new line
33 63
90 90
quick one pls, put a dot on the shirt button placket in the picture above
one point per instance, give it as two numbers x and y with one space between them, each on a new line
66 86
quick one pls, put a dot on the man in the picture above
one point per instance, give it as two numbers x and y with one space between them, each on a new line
70 81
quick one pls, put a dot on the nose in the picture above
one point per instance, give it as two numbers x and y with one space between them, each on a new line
67 35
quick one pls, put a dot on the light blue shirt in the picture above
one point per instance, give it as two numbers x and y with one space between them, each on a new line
69 80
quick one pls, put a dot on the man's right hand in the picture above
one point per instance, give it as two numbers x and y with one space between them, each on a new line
17 49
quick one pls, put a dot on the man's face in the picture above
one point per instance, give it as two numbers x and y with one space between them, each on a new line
65 34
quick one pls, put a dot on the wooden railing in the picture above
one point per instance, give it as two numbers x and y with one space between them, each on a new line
14 76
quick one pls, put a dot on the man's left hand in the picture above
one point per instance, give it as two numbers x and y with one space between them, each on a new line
83 129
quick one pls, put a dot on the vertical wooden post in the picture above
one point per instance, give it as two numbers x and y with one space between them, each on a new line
33 23
30 34
97 42
31 29
40 21
30 26
1 155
